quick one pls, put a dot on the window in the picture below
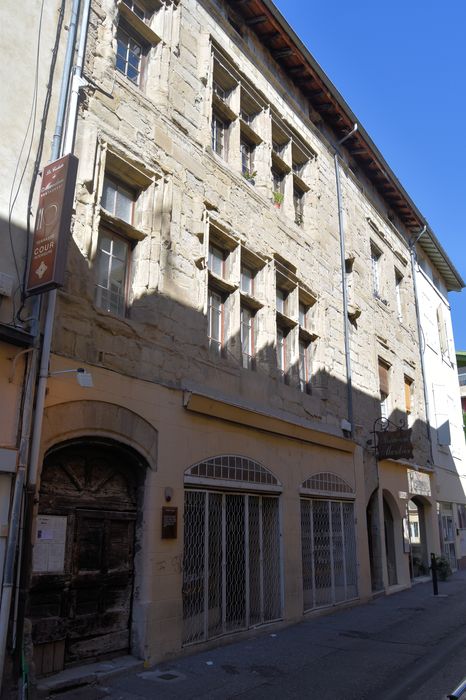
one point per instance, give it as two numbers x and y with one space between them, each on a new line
129 56
218 135
278 180
303 315
247 159
134 7
247 337
408 384
112 266
375 266
384 387
280 302
247 280
398 294
281 351
215 321
304 366
118 199
442 332
298 202
216 262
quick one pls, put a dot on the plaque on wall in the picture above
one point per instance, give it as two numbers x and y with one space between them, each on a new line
169 523
49 548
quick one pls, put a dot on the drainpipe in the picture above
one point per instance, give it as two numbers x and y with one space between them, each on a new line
412 251
349 381
20 479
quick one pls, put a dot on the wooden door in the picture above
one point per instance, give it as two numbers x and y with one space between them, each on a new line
82 610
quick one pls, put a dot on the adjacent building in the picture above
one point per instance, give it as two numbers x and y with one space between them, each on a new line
240 286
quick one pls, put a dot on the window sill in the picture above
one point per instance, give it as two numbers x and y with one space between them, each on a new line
121 226
251 302
221 284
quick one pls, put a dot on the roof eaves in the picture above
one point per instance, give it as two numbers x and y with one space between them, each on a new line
453 279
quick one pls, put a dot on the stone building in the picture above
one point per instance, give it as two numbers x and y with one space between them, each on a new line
239 285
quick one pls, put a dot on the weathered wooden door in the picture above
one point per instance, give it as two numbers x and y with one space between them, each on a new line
80 598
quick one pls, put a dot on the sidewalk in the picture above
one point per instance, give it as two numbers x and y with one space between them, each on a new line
410 645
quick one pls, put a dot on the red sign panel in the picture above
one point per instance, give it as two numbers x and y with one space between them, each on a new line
51 235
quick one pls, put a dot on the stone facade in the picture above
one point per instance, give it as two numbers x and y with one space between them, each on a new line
204 294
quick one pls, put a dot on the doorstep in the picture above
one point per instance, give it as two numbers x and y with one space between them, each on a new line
88 674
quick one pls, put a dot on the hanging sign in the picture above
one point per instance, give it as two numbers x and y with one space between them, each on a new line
51 234
394 444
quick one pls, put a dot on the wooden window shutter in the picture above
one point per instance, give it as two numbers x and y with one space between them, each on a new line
384 378
408 384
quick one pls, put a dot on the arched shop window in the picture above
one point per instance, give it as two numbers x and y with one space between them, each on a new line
232 563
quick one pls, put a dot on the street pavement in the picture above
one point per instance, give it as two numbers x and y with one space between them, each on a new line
406 646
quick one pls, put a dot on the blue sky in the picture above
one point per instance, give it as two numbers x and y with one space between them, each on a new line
401 67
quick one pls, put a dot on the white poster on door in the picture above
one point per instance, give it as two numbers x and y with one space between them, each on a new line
49 548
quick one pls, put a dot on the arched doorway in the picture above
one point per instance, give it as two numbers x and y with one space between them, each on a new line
418 539
390 550
81 591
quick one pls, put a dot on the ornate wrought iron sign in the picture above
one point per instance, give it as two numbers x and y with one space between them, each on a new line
392 442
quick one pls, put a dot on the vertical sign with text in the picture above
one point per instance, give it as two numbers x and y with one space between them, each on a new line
51 234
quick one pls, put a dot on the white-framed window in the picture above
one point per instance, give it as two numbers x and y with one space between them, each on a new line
129 55
398 294
304 366
247 337
375 268
216 262
215 321
112 272
118 199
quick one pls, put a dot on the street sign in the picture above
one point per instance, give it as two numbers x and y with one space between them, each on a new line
52 231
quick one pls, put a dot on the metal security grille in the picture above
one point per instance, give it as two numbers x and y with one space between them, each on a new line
329 552
231 568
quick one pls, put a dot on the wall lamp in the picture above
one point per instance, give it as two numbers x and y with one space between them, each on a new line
84 378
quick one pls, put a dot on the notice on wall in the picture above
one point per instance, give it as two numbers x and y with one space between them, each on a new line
49 548
419 483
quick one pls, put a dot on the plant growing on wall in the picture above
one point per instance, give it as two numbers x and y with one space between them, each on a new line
277 198
249 175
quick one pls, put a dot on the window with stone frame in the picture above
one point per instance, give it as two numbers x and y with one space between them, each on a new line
376 256
113 258
399 294
248 339
220 287
216 320
120 229
409 392
384 388
135 38
224 85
